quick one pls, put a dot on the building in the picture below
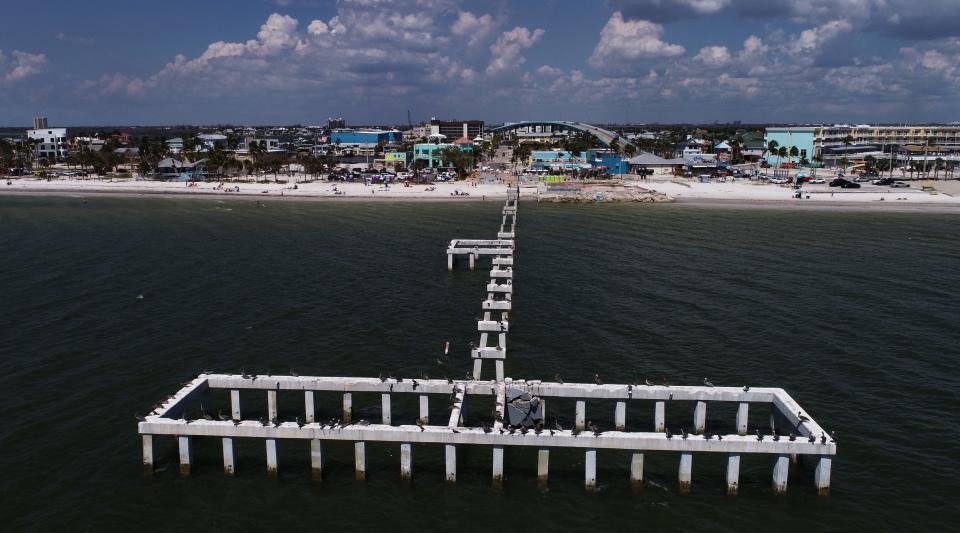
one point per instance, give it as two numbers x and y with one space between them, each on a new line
40 123
645 161
607 160
395 160
208 141
430 152
337 123
50 143
838 140
175 145
455 129
801 137
554 160
271 144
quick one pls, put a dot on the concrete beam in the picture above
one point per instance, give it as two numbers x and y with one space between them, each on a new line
494 326
590 470
733 474
489 352
496 305
229 467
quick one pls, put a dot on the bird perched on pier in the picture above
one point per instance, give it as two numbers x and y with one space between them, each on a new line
707 436
236 422
823 438
222 416
669 435
746 388
707 382
558 379
776 436
381 378
802 418
793 436
206 415
469 375
486 428
556 424
276 423
811 439
683 433
833 437
596 378
139 417
262 421
299 423
294 373
576 431
415 384
759 436
183 416
596 431
648 382
719 436
454 430
420 425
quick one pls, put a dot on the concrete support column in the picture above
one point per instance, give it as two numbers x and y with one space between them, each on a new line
272 457
543 465
733 474
450 450
235 404
147 454
620 416
659 417
543 410
360 458
636 470
581 416
424 409
477 365
385 405
228 465
781 469
450 262
743 416
499 366
406 461
186 455
821 475
473 261
590 473
317 451
686 470
271 405
347 407
700 417
498 465
308 413
773 418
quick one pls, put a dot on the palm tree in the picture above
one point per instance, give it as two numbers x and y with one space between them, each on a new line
781 153
794 153
772 147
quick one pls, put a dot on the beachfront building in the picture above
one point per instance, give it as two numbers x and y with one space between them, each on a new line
395 160
455 129
554 160
607 161
208 141
49 143
645 161
844 140
431 152
271 144
802 137
362 142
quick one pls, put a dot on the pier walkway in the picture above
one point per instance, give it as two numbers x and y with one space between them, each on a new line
519 417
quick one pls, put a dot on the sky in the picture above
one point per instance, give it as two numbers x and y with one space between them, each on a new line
115 62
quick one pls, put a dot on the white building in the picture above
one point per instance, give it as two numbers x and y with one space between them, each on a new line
52 145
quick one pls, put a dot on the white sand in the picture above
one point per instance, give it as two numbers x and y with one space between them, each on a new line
303 190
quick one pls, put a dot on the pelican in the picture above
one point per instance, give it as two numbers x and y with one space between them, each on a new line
759 436
707 382
596 378
556 377
206 415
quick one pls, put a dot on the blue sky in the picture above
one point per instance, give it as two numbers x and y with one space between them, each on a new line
285 61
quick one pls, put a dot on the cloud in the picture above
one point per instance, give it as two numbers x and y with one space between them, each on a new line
475 28
713 56
548 71
506 50
668 10
628 40
22 65
811 41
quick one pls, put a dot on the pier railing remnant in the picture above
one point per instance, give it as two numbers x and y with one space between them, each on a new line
519 418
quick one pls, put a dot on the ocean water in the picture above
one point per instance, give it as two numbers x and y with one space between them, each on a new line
854 313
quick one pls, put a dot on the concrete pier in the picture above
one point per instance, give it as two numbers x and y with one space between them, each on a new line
406 461
821 475
186 455
581 415
733 474
498 466
229 467
347 407
272 413
360 458
659 417
543 465
308 412
424 409
148 454
781 469
590 470
272 457
743 417
235 404
620 416
450 453
385 407
686 470
317 453
700 418
636 470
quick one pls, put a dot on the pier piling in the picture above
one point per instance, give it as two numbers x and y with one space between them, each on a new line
590 470
498 466
406 461
424 409
659 417
581 415
700 418
317 452
733 474
781 469
186 454
821 475
147 454
686 469
743 412
636 470
235 404
543 465
229 467
308 412
272 457
385 405
360 458
620 416
450 452
271 405
347 407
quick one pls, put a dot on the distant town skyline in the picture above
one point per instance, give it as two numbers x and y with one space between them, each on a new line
370 61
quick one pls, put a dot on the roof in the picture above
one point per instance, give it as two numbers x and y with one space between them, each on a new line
654 160
463 140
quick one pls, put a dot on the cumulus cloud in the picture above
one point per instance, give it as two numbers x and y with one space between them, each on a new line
506 50
21 65
475 29
548 71
668 10
628 40
713 56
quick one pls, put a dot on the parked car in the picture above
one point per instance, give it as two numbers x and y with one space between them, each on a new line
819 181
883 181
844 184
899 184
778 180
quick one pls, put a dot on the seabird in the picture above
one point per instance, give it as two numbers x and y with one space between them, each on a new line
206 416
556 377
294 373
823 438
746 388
793 436
719 436
801 417
556 424
382 379
576 431
596 378
669 435
648 382
776 436
139 417
486 428
759 436
811 438
299 423
222 416
415 384
420 425
707 382
683 433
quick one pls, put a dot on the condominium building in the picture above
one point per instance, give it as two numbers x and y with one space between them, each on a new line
818 142
51 143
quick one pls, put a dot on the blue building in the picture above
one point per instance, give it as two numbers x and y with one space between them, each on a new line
431 152
364 138
800 136
607 160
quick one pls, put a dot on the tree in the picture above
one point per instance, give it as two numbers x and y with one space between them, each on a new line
781 153
460 160
794 152
629 150
772 147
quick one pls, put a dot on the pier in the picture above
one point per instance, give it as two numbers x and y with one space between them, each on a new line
519 417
